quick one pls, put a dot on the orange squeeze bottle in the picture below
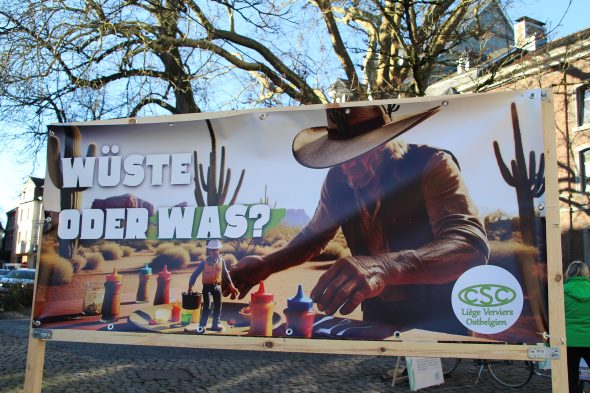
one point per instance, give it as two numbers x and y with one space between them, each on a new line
112 297
262 309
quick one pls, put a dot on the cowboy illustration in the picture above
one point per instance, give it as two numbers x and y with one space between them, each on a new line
214 273
404 210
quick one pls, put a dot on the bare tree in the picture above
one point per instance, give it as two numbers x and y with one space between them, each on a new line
68 60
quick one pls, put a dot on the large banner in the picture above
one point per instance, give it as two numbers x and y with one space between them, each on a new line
369 221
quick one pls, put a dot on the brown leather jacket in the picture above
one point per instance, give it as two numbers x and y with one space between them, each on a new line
424 222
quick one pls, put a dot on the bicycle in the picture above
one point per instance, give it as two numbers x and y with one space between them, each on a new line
502 371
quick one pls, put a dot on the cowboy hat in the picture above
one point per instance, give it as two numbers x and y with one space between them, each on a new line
214 244
350 133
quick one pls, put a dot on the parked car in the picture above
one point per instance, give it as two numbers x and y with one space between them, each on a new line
22 277
4 272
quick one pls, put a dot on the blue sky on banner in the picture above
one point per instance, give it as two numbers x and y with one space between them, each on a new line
562 17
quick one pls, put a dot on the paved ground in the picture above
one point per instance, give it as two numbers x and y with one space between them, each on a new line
88 368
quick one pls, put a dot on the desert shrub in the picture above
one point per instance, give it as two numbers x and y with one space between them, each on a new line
498 225
163 246
83 250
93 260
137 244
127 251
78 263
227 247
241 247
88 243
111 251
55 270
152 243
230 260
200 255
174 257
279 233
195 252
509 250
513 256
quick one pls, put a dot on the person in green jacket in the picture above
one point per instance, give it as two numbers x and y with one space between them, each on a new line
577 320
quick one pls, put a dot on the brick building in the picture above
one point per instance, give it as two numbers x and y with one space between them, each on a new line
562 65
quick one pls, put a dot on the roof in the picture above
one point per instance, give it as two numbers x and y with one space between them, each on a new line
526 18
464 82
39 182
563 41
517 55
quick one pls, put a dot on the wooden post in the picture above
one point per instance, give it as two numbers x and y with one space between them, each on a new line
35 351
554 265
35 362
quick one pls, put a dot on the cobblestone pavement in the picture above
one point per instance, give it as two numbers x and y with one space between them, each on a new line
89 368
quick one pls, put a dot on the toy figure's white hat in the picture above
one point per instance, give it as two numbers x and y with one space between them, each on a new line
214 244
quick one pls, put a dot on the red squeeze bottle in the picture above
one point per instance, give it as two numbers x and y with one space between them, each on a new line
262 309
112 297
163 289
299 315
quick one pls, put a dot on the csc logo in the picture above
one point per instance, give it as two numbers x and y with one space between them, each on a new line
487 295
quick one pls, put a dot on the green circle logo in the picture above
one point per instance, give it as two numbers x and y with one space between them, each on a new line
487 299
487 295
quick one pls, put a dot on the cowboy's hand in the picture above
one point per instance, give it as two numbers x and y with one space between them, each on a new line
348 283
247 273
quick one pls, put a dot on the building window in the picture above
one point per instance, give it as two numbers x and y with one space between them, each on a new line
585 170
583 103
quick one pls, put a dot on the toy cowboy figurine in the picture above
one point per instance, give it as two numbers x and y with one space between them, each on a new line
214 273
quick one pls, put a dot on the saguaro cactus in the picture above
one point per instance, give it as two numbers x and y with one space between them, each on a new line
265 200
529 184
70 198
216 191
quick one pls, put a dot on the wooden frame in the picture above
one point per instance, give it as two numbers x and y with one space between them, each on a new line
36 350
554 264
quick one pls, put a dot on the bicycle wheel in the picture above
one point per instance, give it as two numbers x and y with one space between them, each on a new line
545 373
449 365
510 373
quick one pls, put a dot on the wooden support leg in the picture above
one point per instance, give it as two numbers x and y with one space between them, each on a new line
554 270
35 362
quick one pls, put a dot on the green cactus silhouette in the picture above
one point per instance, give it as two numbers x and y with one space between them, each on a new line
529 184
265 200
70 198
216 191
